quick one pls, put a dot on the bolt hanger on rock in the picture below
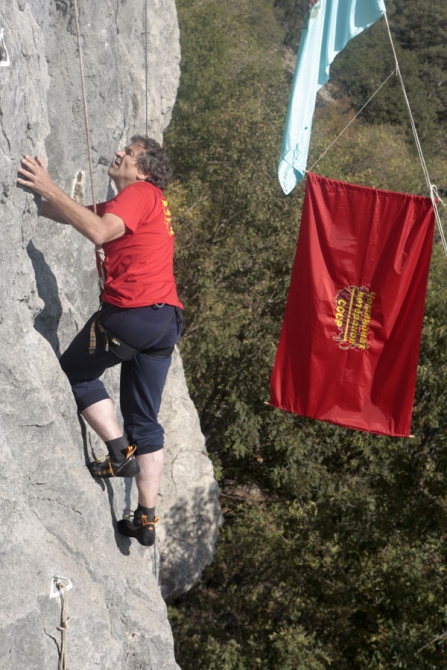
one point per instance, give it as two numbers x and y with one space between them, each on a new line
4 55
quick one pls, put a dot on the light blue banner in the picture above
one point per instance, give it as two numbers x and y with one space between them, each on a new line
328 27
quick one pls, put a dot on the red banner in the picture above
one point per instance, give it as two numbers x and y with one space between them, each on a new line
350 339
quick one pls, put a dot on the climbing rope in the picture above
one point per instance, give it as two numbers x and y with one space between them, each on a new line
145 63
99 250
63 626
84 98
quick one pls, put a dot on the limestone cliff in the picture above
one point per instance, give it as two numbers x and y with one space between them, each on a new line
56 520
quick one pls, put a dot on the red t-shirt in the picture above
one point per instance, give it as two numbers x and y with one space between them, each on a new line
139 265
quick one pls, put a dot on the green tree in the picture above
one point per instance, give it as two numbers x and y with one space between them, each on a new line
333 550
235 232
418 30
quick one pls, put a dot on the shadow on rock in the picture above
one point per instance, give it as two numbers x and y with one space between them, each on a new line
123 543
47 322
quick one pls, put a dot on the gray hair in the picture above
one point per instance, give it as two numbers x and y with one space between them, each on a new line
154 161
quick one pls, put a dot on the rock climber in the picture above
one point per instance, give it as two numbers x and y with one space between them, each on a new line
139 322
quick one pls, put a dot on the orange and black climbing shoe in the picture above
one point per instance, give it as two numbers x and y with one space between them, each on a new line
109 468
139 527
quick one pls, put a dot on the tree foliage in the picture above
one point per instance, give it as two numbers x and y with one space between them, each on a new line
418 31
333 552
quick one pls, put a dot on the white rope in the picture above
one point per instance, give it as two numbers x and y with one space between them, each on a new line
84 98
434 196
98 248
431 187
351 121
437 196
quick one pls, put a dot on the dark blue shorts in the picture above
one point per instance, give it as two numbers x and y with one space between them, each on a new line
142 378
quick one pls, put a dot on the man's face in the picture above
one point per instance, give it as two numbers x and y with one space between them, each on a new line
125 170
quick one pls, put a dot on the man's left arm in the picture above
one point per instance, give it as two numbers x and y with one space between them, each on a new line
96 228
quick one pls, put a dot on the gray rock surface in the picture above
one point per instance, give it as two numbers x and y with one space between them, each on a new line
56 520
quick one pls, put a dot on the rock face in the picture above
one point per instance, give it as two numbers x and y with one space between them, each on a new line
56 520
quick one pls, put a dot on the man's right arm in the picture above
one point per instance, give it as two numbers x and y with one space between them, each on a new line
98 229
49 212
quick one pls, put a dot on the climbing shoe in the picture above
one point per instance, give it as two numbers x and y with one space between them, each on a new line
107 467
139 527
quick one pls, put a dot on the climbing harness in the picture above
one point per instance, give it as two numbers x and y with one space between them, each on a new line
4 55
125 351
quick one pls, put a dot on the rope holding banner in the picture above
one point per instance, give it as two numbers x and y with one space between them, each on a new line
437 196
432 189
351 121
